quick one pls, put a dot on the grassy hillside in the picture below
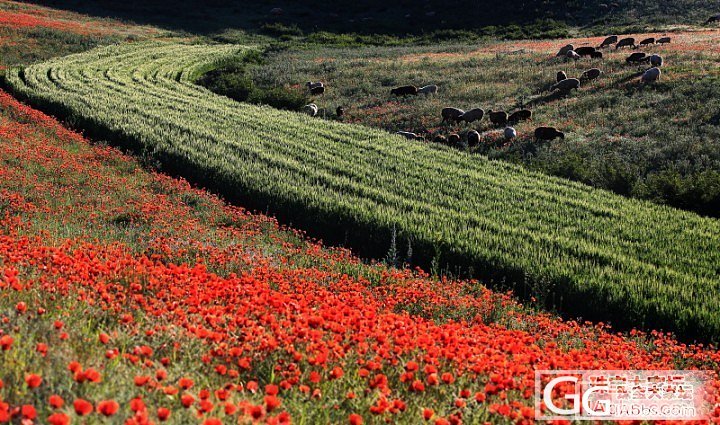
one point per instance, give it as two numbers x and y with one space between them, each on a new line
657 143
130 296
585 251
509 19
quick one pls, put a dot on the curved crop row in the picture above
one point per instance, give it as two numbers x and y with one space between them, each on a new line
598 255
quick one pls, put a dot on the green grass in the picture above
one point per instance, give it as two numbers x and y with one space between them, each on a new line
657 143
600 255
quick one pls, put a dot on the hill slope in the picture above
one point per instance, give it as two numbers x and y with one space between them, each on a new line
399 18
590 252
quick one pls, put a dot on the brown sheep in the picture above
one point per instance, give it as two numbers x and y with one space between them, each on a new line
565 50
648 41
473 138
651 75
591 74
452 114
609 41
585 51
572 54
656 61
566 86
404 91
664 40
440 139
473 115
625 42
498 118
637 57
521 115
548 133
596 55
561 75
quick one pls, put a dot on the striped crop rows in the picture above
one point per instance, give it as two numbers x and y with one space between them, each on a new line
596 254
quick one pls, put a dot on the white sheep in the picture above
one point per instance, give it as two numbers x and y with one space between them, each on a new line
510 133
566 49
311 109
572 54
429 89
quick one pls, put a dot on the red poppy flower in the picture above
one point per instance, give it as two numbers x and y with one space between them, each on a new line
58 419
108 407
272 403
141 380
6 342
33 381
82 407
428 414
104 338
21 307
163 414
56 401
355 419
185 383
187 400
28 412
212 421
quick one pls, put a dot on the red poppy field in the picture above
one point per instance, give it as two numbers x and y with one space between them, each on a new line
129 296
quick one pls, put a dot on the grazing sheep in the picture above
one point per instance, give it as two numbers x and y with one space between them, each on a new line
404 91
651 75
472 115
548 133
712 19
453 139
473 138
625 42
596 55
317 90
430 89
664 40
637 57
648 41
609 41
311 109
452 114
656 61
572 54
521 115
591 74
409 135
585 51
509 133
561 75
311 85
565 50
340 111
498 118
440 139
566 86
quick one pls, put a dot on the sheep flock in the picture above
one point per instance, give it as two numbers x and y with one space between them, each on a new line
500 121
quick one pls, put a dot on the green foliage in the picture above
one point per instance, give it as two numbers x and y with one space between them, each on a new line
621 136
604 256
231 79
